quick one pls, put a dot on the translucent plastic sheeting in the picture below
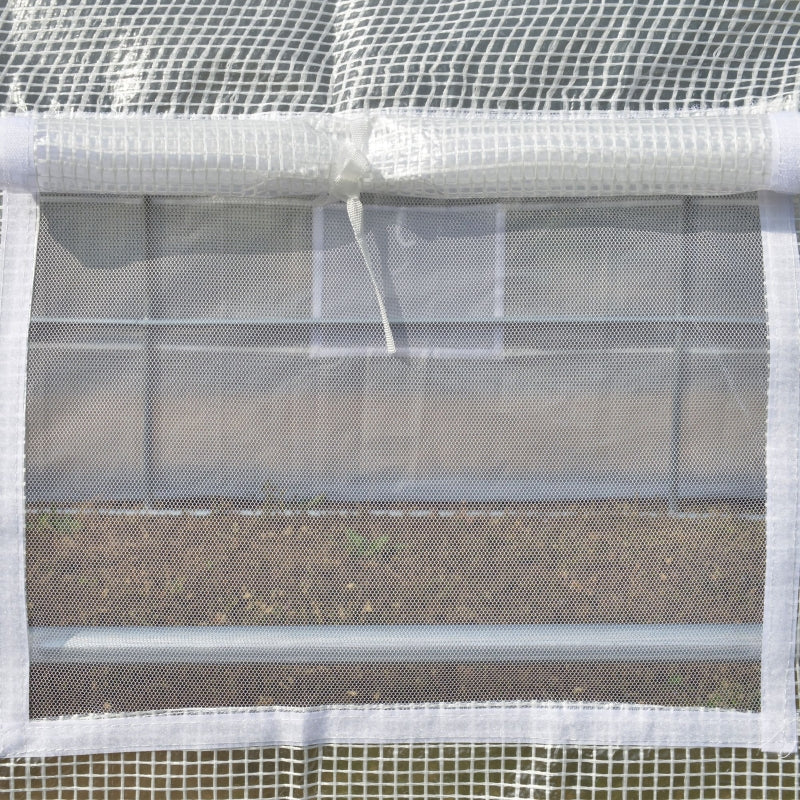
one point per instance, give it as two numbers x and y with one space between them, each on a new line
224 348
212 57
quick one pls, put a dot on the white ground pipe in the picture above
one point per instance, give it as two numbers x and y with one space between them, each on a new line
341 644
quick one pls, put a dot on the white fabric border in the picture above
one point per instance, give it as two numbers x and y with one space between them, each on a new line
17 167
17 260
781 269
435 154
537 723
785 170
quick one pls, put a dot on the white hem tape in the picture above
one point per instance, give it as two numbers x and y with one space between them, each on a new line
17 167
785 171
781 268
17 260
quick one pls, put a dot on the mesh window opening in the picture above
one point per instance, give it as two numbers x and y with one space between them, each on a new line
571 433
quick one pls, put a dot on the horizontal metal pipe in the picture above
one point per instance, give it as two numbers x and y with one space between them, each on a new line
355 352
341 644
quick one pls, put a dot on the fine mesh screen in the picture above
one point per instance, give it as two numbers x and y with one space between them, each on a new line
571 432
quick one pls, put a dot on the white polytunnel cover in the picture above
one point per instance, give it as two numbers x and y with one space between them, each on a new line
383 375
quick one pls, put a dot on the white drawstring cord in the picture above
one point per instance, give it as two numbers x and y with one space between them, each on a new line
347 184
355 213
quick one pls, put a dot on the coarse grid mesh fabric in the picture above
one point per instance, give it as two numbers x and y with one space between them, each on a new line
434 771
213 57
739 57
437 155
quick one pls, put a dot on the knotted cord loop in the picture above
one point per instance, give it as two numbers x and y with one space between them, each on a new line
352 167
355 213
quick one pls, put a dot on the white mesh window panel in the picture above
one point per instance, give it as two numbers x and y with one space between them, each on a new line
550 496
399 399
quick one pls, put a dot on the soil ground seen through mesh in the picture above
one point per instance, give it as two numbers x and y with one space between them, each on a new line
592 563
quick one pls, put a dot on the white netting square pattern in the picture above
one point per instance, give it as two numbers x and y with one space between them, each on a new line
406 772
213 57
